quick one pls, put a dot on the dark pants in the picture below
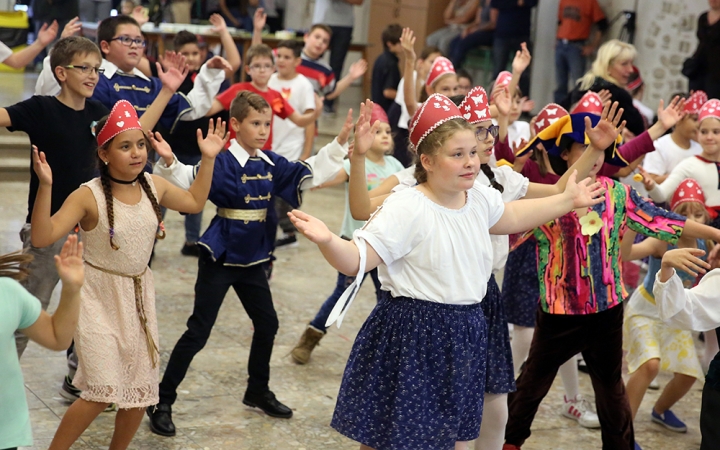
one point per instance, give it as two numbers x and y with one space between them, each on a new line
504 49
709 418
213 281
459 47
343 281
339 46
569 66
557 338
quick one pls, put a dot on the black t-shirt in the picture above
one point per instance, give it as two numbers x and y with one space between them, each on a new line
66 138
385 75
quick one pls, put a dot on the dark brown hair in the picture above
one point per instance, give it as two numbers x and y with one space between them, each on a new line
294 46
240 106
107 28
15 265
65 50
184 37
107 189
391 34
321 26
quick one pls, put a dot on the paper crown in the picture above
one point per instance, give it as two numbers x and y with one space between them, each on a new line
503 79
474 108
548 116
695 102
122 117
441 66
637 82
589 103
555 136
687 191
711 109
378 113
436 110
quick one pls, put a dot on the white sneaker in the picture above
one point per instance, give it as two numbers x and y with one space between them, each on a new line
579 409
654 385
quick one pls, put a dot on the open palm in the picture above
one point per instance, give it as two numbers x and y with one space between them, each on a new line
69 263
215 140
311 227
606 131
584 193
41 167
671 115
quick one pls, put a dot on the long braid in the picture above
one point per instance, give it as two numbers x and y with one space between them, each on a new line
107 190
148 191
487 170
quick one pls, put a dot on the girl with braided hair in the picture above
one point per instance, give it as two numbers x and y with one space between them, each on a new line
119 218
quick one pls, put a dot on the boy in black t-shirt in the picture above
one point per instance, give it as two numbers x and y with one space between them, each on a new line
62 127
386 74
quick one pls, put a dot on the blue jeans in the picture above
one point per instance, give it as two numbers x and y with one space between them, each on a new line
569 62
459 47
503 48
343 281
193 222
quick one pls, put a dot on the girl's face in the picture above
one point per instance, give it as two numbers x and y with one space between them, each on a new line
515 108
709 135
487 145
694 211
126 154
383 142
620 70
424 65
447 85
688 127
455 165
576 151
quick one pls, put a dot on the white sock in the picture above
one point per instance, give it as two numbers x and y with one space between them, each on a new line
711 349
569 376
492 428
520 345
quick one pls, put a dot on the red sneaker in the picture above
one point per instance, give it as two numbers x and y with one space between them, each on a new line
510 447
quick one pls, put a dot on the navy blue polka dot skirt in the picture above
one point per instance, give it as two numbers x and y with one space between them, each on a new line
521 291
500 377
415 377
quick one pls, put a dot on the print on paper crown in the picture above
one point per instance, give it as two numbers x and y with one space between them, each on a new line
436 110
589 103
548 116
503 79
123 117
711 109
687 191
695 102
474 107
441 66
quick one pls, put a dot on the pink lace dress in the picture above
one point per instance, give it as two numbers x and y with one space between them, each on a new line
117 362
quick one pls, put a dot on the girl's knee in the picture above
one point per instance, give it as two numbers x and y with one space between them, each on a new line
650 368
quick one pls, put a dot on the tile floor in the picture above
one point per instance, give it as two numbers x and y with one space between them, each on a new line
209 413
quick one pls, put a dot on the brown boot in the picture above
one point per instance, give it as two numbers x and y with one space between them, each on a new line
309 339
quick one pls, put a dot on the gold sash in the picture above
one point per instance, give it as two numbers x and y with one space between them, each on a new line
246 215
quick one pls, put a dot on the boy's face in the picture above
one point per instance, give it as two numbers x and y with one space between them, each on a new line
254 130
286 62
316 43
688 127
82 78
260 69
395 48
192 54
126 57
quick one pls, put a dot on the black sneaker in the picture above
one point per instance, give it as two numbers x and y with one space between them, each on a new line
161 419
190 249
68 391
269 404
287 240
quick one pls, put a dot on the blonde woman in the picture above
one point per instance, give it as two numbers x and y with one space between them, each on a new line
611 70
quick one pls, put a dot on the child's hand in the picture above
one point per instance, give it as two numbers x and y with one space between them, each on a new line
173 77
162 148
687 260
519 164
218 62
138 13
71 28
714 257
585 193
259 19
365 131
172 60
648 182
501 99
668 117
344 134
606 131
215 140
527 104
407 39
313 229
519 146
522 60
318 105
69 264
605 96
41 167
358 69
218 23
47 33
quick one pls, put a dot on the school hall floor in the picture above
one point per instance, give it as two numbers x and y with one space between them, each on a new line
209 413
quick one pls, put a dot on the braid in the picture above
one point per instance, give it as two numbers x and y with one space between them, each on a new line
107 190
487 170
148 191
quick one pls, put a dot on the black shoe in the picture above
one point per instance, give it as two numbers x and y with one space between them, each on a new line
287 239
161 419
269 404
190 250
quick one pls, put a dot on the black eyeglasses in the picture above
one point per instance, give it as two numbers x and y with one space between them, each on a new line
87 69
481 133
127 41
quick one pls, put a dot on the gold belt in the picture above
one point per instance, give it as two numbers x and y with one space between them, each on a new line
246 215
137 284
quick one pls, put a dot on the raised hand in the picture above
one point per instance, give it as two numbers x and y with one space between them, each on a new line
671 115
47 33
215 140
527 104
358 69
172 60
173 77
365 131
501 98
605 95
218 62
522 59
347 127
138 13
407 39
687 260
606 131
71 28
41 167
259 19
161 147
218 23
585 193
312 228
69 263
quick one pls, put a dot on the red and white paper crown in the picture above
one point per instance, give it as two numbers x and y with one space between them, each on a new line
123 117
503 79
637 82
436 110
474 108
441 66
378 113
711 108
688 191
548 116
695 102
589 103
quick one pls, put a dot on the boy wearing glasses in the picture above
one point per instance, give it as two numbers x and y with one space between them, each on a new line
260 66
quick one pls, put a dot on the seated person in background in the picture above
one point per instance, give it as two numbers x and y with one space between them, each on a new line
458 17
478 34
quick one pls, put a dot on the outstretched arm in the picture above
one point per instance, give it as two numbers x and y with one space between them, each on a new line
232 54
357 69
25 56
171 80
409 93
